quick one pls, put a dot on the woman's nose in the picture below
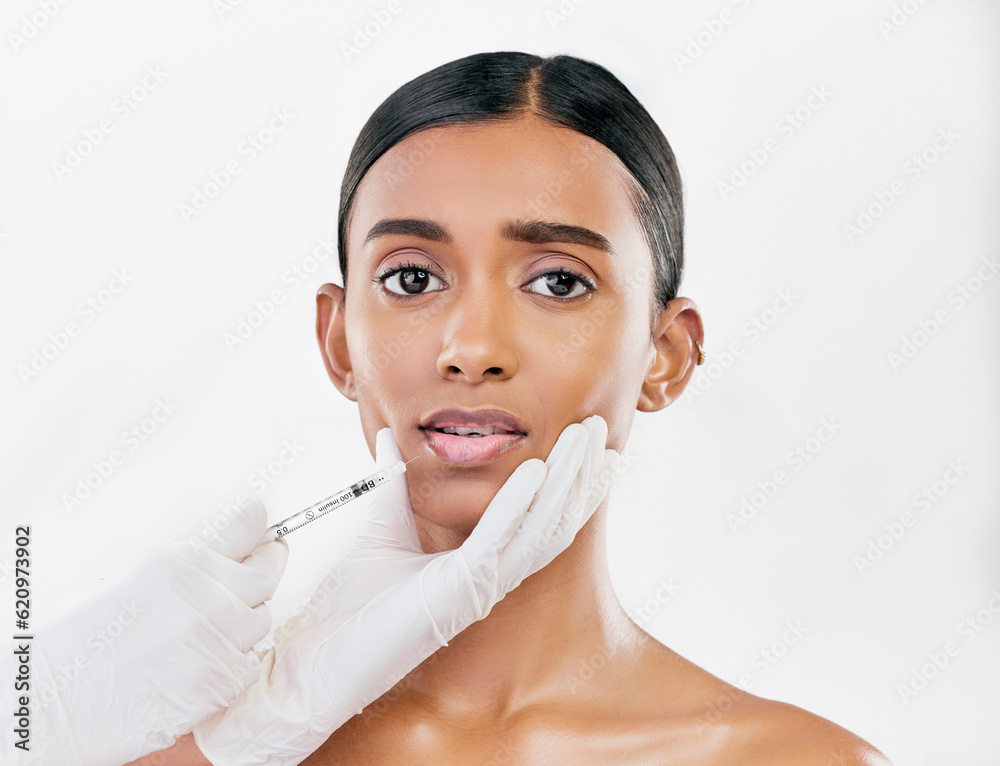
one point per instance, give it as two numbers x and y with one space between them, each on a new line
478 341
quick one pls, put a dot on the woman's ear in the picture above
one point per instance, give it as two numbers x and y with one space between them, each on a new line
331 332
674 354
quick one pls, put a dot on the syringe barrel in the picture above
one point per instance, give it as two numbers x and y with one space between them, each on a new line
337 500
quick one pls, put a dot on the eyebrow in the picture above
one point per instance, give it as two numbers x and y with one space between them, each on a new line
519 230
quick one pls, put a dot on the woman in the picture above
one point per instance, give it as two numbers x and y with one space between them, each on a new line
513 231
513 227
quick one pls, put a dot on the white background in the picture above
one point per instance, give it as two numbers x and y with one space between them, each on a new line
719 86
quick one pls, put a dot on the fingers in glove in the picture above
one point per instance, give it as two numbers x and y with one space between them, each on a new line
261 572
238 531
252 580
388 515
504 515
581 501
597 430
546 510
241 662
572 522
242 624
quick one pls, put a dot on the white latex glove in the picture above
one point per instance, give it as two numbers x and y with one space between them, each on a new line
387 605
151 653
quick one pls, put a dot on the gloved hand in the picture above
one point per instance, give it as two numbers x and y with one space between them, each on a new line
162 646
387 605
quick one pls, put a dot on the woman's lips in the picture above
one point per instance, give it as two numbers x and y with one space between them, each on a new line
470 450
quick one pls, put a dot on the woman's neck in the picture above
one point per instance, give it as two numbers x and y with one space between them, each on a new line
546 638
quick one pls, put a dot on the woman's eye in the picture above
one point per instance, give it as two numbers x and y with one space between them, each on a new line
562 282
412 279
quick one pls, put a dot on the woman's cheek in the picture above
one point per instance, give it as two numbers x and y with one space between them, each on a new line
387 359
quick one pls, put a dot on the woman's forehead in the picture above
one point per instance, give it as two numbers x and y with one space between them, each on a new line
484 173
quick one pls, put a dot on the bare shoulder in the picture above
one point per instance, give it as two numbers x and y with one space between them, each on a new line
764 731
778 733
715 722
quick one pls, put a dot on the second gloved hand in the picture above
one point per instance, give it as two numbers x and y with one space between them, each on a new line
387 605
153 652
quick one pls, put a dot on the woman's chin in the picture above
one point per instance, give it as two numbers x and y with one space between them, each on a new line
451 515
434 538
457 518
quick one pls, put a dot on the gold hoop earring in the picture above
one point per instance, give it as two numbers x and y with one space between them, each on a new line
701 352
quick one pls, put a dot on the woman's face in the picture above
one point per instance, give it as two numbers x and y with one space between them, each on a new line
480 321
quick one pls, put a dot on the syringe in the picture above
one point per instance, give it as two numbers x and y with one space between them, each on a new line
336 500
